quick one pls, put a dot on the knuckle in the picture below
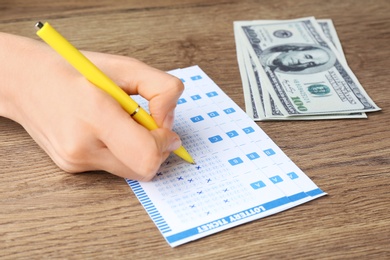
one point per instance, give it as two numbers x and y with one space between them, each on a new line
149 164
148 177
65 165
177 85
150 169
71 157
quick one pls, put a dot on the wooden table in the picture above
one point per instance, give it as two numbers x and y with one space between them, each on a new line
47 213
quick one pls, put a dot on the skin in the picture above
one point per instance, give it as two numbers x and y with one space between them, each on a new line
302 59
78 125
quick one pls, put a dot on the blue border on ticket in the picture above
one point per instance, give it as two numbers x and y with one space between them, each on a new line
148 205
236 217
204 228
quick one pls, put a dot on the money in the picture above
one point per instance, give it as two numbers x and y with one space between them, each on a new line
296 70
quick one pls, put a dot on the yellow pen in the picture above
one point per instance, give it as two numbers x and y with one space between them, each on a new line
99 79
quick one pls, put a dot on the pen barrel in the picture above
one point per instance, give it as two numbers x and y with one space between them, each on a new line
145 119
89 70
92 73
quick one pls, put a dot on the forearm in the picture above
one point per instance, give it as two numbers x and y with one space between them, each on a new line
14 51
5 74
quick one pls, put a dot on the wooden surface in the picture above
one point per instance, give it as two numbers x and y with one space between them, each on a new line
46 213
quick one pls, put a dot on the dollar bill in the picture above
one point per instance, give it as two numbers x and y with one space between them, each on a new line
253 93
325 88
254 99
258 103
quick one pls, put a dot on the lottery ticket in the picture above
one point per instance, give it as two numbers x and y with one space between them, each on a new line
240 175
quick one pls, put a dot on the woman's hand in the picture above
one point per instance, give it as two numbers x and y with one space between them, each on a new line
79 126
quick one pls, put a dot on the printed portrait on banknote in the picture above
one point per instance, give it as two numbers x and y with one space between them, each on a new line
298 58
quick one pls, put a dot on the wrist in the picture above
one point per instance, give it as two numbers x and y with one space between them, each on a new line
6 75
14 54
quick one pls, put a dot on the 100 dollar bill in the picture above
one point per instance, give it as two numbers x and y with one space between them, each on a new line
300 69
258 101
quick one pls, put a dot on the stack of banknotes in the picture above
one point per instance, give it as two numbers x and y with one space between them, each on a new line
296 70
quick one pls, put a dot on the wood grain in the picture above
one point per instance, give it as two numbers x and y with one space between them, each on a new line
46 213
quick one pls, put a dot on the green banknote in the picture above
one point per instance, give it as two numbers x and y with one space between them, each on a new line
294 71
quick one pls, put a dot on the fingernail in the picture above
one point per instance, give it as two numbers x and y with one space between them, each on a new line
176 143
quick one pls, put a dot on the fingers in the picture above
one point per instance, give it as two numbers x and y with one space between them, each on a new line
112 142
138 164
162 105
135 77
137 153
124 151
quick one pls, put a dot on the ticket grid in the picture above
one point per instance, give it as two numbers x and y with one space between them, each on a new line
241 175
